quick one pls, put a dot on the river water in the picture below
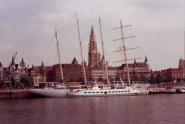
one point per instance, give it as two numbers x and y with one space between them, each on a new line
147 109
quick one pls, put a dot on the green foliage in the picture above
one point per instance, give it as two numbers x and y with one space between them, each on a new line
159 78
117 78
28 81
110 78
152 78
91 79
144 78
169 78
72 80
81 79
100 79
178 80
136 78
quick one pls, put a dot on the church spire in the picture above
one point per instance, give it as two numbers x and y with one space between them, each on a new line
92 35
146 59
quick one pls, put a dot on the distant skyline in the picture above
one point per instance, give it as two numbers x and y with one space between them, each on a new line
28 28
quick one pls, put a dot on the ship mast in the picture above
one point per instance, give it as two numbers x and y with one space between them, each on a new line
59 54
104 62
81 51
124 49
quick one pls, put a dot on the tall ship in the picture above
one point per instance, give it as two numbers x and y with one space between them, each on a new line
54 89
95 90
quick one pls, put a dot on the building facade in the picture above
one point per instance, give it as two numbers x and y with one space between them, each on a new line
136 68
100 73
38 74
174 72
182 66
70 71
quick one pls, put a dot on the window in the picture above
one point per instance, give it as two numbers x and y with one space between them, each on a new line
89 92
85 92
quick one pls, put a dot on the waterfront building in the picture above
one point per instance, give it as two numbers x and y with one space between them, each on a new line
97 73
182 66
49 74
174 72
38 74
73 71
136 68
15 72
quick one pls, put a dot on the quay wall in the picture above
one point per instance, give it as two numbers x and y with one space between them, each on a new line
13 93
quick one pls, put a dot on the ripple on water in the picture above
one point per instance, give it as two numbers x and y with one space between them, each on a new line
153 109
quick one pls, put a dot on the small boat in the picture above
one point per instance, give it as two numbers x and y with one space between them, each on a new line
182 89
170 90
141 89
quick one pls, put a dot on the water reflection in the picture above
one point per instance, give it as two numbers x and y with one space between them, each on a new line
161 108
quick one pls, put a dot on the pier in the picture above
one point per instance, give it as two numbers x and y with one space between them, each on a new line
13 93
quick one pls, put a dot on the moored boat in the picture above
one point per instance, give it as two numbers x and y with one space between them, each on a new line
59 89
170 90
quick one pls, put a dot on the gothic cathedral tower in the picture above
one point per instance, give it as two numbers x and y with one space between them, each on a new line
93 55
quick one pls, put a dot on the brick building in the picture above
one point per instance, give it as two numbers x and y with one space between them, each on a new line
175 72
70 71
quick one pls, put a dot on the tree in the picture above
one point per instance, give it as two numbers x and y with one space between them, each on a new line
183 79
91 79
110 78
152 78
136 78
81 79
28 81
144 78
100 78
169 78
178 80
159 78
72 80
117 78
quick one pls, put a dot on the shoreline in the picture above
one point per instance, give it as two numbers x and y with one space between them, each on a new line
14 93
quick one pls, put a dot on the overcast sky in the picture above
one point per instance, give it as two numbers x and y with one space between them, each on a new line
28 27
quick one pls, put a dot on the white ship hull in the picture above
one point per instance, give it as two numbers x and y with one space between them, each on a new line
102 92
170 90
